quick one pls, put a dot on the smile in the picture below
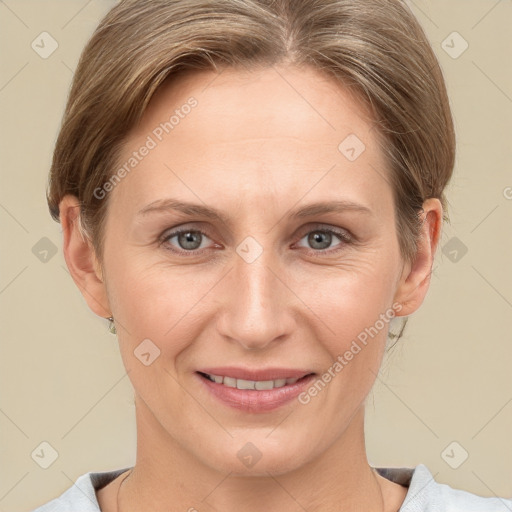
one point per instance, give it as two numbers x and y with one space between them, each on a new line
271 391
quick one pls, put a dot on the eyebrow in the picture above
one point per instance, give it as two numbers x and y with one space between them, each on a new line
318 208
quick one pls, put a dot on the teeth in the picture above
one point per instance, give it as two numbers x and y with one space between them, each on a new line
264 384
245 384
230 382
251 384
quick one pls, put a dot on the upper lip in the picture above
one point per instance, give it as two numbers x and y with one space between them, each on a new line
253 374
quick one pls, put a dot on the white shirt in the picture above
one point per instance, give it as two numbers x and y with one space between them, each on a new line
424 494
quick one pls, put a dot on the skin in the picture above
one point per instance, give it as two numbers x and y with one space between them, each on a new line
254 148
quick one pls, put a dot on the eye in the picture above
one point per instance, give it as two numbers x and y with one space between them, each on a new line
321 239
188 240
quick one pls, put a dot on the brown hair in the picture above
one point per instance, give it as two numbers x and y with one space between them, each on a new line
375 47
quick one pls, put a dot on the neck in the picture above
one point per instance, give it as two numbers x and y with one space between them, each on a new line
167 477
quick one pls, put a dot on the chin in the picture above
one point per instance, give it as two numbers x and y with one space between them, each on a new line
256 455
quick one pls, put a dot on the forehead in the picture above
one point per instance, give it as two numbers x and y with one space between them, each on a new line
268 132
263 101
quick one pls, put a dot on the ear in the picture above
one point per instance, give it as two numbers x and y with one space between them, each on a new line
81 258
415 279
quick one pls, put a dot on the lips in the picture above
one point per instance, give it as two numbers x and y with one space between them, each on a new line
255 391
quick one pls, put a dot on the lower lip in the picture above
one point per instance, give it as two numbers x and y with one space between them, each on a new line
251 400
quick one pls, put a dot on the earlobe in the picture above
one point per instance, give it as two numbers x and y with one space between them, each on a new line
81 258
415 279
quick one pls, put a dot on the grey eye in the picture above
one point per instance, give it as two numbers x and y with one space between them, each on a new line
190 240
187 239
320 239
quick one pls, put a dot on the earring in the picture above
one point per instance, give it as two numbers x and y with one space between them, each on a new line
111 325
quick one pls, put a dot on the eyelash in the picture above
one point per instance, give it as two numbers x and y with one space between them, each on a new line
344 237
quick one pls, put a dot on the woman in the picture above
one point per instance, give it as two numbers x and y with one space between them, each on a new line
252 192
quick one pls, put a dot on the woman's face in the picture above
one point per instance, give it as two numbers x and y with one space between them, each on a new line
267 293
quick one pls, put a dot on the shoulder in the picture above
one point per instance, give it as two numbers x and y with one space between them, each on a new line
81 496
426 495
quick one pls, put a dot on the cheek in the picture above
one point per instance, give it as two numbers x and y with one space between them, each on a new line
356 308
349 300
161 302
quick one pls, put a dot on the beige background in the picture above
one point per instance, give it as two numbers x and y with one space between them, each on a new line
449 379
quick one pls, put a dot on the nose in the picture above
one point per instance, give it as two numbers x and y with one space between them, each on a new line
257 310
